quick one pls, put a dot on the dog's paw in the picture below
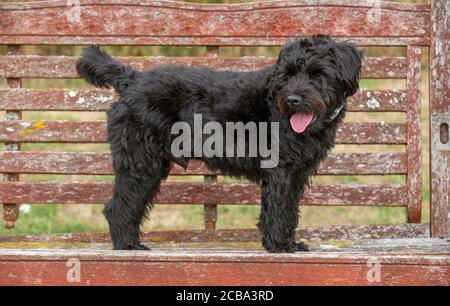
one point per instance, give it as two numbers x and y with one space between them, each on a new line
289 248
142 247
301 247
138 247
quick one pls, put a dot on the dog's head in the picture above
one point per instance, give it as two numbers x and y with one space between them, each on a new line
312 79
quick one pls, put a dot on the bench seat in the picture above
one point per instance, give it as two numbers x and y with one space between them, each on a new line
43 260
340 255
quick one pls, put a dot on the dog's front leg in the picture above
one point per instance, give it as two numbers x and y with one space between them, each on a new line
280 213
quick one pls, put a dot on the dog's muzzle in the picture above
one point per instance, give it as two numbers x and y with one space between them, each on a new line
299 120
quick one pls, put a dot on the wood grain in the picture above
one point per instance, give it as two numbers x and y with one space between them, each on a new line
311 233
101 99
414 132
401 262
165 22
200 193
95 132
11 210
33 66
100 163
236 272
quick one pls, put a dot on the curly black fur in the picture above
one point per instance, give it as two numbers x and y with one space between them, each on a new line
318 71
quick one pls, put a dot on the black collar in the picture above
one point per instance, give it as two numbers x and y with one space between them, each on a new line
335 113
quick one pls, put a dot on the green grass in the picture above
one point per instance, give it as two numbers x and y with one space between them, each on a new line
40 219
47 219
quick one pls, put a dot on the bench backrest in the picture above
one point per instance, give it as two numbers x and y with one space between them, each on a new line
268 23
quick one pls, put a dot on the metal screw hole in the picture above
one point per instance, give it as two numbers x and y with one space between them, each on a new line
444 133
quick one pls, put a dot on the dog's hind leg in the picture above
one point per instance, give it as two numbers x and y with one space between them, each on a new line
130 205
280 213
139 171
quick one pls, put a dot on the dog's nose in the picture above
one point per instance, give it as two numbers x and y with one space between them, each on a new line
294 100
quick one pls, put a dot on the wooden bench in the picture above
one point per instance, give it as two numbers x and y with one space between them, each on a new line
417 260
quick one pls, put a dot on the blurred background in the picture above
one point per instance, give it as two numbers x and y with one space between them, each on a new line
88 218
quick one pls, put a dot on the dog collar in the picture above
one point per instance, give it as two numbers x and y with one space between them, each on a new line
335 113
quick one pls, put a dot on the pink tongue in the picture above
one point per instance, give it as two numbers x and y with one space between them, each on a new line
300 121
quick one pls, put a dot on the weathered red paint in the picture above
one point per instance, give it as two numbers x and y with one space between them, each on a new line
235 271
95 132
414 134
440 114
100 163
11 210
32 66
402 262
200 193
202 41
164 22
322 233
100 100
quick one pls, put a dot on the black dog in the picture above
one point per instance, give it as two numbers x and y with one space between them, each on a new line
305 92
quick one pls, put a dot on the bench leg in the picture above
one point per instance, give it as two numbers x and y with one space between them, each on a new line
280 213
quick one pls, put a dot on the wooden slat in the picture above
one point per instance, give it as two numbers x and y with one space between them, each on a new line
371 133
64 66
202 41
204 254
374 101
439 117
57 99
95 132
195 193
163 22
233 7
100 100
347 164
310 233
53 131
11 210
414 134
100 163
363 163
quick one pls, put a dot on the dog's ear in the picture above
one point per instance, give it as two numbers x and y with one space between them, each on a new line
349 64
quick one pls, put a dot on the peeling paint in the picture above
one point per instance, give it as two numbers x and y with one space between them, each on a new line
373 103
25 124
80 100
72 94
102 99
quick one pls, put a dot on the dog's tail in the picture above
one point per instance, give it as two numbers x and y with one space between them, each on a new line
101 70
